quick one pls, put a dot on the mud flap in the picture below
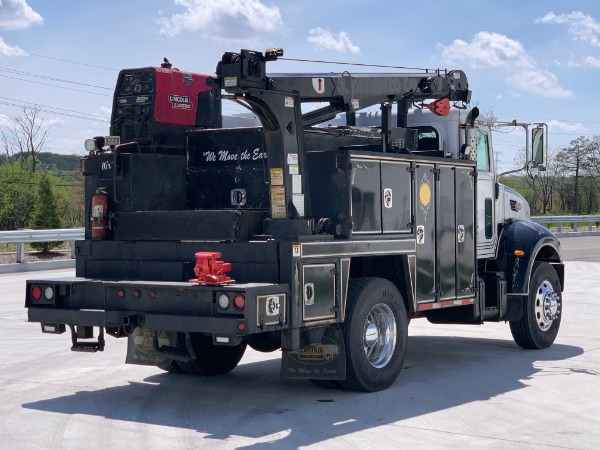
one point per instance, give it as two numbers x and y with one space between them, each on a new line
140 348
324 361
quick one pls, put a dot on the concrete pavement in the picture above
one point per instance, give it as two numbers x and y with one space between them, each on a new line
461 387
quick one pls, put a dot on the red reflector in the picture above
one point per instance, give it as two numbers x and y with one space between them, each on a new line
36 292
137 294
239 301
121 293
241 326
152 294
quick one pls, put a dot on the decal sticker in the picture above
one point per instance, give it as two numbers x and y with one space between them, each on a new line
296 184
227 156
294 169
163 70
179 98
420 234
272 306
230 82
425 195
292 158
278 202
180 101
298 201
515 206
355 104
387 198
187 79
289 102
318 85
322 353
276 176
460 234
142 99
296 250
123 101
143 340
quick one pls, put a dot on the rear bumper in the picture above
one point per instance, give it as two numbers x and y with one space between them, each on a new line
169 306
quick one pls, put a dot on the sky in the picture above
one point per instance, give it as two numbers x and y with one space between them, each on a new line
534 61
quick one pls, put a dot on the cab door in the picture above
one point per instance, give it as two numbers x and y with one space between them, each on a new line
486 186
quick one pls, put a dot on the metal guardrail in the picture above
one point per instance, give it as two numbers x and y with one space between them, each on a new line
575 220
22 237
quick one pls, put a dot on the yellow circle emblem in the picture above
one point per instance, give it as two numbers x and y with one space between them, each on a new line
425 194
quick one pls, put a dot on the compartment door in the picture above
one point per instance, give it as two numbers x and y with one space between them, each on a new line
396 190
465 223
425 232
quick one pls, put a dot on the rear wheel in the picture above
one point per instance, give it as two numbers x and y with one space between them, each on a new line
212 359
542 310
375 335
171 366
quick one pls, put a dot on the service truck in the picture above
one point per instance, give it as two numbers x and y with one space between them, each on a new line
317 240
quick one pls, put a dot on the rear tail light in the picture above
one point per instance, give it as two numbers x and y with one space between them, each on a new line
223 301
239 301
36 292
49 293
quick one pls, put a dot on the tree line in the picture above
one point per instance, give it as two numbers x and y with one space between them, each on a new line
569 185
34 192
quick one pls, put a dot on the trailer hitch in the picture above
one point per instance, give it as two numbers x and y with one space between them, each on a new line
86 333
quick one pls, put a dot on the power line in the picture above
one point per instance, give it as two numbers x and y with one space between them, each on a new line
94 116
29 74
53 85
358 64
41 108
4 47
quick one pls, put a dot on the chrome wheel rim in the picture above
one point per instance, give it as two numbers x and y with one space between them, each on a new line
379 337
547 305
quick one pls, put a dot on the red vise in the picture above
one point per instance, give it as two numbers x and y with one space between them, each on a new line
210 270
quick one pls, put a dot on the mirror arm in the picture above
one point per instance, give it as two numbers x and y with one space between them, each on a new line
509 172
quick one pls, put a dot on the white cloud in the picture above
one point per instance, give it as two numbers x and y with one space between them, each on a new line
228 20
592 61
555 125
493 50
325 40
9 50
17 14
541 83
54 121
487 50
581 27
4 121
104 112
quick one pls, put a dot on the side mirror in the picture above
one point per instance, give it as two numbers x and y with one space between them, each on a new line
538 149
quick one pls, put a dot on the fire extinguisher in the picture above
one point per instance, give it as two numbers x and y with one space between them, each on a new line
99 214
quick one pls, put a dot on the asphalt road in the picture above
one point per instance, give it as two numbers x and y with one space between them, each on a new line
580 248
462 387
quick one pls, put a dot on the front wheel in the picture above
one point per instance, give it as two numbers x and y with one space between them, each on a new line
542 310
375 335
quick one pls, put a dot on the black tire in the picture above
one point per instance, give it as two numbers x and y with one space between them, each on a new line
171 366
212 359
373 362
264 342
542 310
